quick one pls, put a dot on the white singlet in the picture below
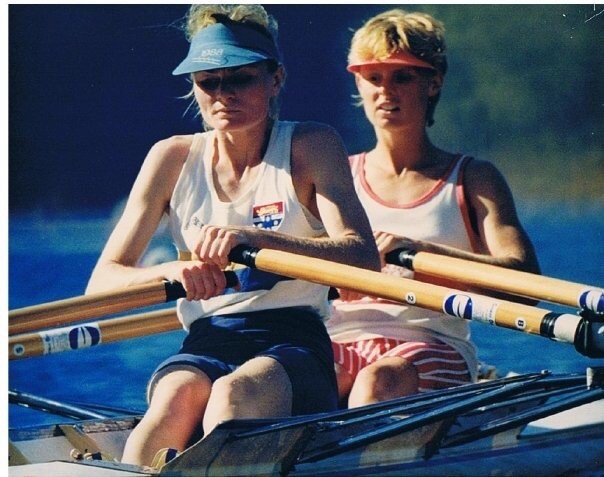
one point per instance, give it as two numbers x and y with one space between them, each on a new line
270 202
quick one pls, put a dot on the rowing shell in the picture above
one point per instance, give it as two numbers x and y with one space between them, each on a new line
537 424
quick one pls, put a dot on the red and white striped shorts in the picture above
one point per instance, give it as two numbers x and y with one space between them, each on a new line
438 365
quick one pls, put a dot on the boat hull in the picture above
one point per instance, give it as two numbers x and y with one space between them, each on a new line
527 426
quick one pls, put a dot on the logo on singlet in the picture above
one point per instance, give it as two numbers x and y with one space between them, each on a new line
268 216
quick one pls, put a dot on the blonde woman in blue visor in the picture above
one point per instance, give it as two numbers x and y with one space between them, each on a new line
260 350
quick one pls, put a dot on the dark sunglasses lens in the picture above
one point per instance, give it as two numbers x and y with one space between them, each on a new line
210 84
236 81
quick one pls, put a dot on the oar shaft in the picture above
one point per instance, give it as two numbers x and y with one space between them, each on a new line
502 279
434 297
588 337
56 407
85 307
92 334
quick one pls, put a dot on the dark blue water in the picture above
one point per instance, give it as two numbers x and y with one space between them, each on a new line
51 258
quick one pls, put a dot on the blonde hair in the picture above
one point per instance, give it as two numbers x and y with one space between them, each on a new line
399 31
201 16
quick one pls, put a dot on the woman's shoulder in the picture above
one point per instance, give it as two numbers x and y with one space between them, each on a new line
177 144
478 168
318 146
312 134
172 149
482 175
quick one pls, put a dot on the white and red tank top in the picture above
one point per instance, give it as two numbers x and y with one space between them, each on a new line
441 216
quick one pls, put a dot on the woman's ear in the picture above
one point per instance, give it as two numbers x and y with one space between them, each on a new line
436 84
278 79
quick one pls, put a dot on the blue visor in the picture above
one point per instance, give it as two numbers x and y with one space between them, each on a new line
226 46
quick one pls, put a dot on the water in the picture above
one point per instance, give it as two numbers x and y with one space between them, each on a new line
51 259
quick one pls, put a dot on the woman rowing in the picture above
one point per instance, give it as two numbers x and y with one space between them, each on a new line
262 350
420 197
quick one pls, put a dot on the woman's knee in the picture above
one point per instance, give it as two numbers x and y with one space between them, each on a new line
234 390
389 378
257 389
233 397
181 392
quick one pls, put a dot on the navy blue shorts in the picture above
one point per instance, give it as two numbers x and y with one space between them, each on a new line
295 337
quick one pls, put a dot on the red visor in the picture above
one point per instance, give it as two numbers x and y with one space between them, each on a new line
403 58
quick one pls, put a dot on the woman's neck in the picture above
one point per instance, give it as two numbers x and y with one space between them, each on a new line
240 150
400 151
236 159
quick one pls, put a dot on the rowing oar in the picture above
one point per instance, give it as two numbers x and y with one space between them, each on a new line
587 335
91 334
82 308
497 278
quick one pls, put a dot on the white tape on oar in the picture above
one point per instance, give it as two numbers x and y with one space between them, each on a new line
565 327
71 338
470 307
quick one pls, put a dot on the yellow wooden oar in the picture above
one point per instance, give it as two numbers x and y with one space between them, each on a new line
506 280
587 337
85 307
91 334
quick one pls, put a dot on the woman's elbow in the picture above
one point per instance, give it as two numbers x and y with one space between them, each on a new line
94 285
369 256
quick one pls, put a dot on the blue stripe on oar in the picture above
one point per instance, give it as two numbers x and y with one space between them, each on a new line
69 338
593 300
471 307
458 305
84 337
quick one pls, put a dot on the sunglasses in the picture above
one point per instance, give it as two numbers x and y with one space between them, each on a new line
235 81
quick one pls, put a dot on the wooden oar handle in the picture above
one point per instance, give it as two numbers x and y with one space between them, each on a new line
81 308
506 280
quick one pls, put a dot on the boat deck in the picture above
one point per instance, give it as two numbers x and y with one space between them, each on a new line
526 425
